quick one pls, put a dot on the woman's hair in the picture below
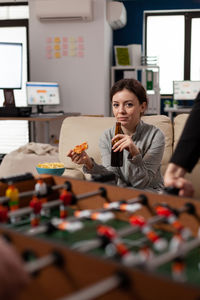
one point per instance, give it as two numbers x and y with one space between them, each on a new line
132 85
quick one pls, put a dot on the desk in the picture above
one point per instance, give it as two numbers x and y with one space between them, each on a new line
40 118
180 110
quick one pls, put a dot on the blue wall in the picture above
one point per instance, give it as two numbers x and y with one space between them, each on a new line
132 32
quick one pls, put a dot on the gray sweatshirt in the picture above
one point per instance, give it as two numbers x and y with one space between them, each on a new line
141 171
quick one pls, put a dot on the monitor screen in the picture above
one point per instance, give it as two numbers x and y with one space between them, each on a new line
185 90
42 93
10 65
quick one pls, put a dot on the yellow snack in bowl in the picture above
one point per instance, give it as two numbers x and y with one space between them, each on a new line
50 165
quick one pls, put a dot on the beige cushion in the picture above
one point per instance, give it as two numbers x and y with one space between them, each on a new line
74 173
76 130
164 124
179 123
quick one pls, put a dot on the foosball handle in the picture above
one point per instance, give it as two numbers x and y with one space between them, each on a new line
118 280
171 190
17 178
104 178
56 258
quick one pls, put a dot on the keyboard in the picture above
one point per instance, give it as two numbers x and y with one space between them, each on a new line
46 115
15 111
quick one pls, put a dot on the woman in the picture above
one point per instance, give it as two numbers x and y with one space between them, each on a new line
143 144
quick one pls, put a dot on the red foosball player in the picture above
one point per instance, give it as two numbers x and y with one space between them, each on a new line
112 244
66 198
36 204
13 193
3 214
178 270
172 219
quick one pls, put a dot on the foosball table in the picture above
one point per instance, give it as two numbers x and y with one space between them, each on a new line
88 240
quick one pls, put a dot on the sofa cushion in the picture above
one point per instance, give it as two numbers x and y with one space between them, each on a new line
74 173
164 124
179 123
76 130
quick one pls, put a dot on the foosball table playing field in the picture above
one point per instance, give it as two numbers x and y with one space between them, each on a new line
89 240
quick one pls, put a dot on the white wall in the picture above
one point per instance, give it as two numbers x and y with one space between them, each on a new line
84 82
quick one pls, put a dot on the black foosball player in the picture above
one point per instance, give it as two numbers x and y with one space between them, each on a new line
13 277
186 154
142 144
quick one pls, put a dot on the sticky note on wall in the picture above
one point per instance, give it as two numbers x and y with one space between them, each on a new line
57 55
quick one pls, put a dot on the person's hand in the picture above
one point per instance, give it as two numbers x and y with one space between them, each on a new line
81 158
12 274
174 176
124 142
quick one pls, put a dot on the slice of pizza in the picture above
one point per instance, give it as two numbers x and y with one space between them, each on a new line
80 148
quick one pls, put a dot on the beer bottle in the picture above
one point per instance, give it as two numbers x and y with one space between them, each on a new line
117 157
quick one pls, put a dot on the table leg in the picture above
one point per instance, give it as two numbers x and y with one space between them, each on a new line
32 131
46 132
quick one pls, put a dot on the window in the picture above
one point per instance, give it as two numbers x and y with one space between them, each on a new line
14 28
173 38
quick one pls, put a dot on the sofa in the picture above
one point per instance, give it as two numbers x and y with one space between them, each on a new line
79 129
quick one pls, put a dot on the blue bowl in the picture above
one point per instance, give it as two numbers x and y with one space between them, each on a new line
56 171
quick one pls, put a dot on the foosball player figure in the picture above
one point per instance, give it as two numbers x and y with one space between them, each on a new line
41 190
172 219
145 253
111 243
36 205
3 214
176 241
178 269
13 193
66 198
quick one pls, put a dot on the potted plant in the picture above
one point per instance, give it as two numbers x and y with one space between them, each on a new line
175 104
167 103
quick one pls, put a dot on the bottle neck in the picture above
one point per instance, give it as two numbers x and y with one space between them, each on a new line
118 128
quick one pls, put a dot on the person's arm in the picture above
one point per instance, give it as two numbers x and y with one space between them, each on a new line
142 169
89 165
12 273
174 177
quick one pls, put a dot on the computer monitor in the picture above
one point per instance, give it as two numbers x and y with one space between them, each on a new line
11 57
41 94
185 89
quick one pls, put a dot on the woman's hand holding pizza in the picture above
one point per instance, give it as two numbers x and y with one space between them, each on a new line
79 156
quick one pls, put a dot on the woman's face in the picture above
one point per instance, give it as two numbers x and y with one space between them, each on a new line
127 109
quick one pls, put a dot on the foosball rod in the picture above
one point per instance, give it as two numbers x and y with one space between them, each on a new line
49 227
52 204
4 199
100 288
171 255
96 243
54 258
